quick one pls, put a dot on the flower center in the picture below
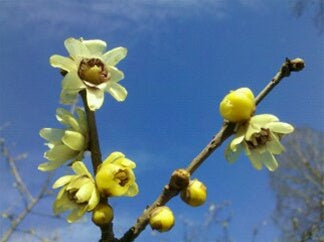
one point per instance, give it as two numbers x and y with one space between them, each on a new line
93 71
259 139
122 176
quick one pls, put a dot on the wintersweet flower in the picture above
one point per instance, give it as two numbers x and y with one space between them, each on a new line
92 69
65 144
260 138
238 105
115 176
78 193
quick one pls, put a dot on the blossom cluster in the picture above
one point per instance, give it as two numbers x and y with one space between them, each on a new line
91 70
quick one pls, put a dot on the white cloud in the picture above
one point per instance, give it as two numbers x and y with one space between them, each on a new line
104 15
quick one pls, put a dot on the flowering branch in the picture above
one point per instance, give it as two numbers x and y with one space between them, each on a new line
226 130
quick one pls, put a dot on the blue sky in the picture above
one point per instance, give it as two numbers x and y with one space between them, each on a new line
183 57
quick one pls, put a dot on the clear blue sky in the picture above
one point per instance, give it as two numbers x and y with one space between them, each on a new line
183 57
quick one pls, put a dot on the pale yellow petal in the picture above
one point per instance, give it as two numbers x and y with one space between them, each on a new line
80 168
50 165
113 157
280 127
68 96
94 200
75 215
85 192
54 136
72 81
74 140
255 160
76 48
231 155
236 141
112 57
60 153
117 91
62 181
63 62
95 46
269 161
67 119
132 190
95 98
115 74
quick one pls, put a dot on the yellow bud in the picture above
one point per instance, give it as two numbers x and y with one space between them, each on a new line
162 219
238 105
102 214
195 194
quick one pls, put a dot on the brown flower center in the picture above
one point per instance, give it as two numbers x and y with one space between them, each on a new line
122 176
259 139
93 71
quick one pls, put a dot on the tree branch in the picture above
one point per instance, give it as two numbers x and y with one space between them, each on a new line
226 131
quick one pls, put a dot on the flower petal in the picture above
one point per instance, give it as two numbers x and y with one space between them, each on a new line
62 181
60 153
75 215
95 46
95 98
113 157
231 155
52 135
67 119
115 75
63 62
112 57
50 165
94 200
72 81
74 140
76 48
255 160
274 146
84 193
269 161
132 190
236 141
80 169
263 119
68 96
117 91
280 127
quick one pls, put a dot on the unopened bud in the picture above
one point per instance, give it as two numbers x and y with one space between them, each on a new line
179 179
162 219
195 194
102 214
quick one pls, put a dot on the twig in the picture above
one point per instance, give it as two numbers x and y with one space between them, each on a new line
23 190
226 130
15 223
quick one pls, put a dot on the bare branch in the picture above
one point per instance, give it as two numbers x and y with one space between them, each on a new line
226 131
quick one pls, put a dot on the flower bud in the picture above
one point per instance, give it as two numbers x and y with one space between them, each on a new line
238 105
179 179
102 214
195 194
162 219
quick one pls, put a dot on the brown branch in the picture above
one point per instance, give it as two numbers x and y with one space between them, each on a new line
93 134
226 130
15 223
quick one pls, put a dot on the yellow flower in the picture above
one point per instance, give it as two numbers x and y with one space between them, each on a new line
89 68
115 176
65 144
78 193
162 219
260 138
195 194
238 105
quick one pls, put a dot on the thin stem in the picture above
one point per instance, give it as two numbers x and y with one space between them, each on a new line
93 134
107 234
226 131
